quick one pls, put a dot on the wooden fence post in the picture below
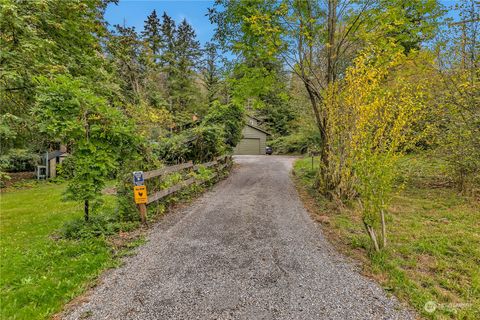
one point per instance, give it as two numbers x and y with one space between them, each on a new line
218 172
143 212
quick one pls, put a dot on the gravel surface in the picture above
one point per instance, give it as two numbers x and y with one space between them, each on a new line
247 249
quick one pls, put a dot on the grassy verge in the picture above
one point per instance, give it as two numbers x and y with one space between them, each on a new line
39 271
433 257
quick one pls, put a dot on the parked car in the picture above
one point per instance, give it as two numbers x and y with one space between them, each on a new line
268 150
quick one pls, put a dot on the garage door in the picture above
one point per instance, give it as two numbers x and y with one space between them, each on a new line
248 146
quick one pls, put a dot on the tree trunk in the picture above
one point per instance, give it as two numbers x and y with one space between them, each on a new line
313 102
373 236
321 124
85 212
331 28
306 63
384 228
330 78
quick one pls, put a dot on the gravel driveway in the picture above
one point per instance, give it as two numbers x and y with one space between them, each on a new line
247 249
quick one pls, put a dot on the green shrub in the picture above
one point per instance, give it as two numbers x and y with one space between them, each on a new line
174 149
231 117
18 160
198 144
3 178
66 169
204 174
219 132
96 226
299 142
207 143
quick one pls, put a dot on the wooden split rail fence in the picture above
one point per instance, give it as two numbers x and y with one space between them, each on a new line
219 163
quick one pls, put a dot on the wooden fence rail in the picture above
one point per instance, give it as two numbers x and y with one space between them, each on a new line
220 163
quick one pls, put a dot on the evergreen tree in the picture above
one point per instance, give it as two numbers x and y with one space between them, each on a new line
167 57
187 53
187 48
153 45
151 34
211 71
125 48
178 60
168 32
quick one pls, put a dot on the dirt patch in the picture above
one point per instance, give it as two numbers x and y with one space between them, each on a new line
123 239
110 191
16 178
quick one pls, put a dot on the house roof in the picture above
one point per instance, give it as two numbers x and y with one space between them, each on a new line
253 117
56 153
259 129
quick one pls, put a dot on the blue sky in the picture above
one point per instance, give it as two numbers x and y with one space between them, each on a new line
135 12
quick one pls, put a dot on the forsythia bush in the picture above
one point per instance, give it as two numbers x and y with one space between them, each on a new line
371 122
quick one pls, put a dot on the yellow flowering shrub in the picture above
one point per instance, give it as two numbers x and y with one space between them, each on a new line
372 115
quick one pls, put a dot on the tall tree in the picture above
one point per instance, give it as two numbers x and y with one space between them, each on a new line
211 71
181 58
152 35
125 48
100 136
458 95
55 81
187 47
168 31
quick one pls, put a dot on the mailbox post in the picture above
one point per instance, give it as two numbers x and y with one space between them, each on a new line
140 194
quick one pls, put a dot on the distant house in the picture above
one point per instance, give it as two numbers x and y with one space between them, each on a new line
254 138
48 168
54 158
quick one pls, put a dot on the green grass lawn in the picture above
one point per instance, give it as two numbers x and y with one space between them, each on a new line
434 240
39 272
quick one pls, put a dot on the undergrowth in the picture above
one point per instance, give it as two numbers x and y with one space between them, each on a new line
433 251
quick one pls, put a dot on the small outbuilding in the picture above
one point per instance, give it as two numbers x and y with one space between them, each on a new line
254 139
48 167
